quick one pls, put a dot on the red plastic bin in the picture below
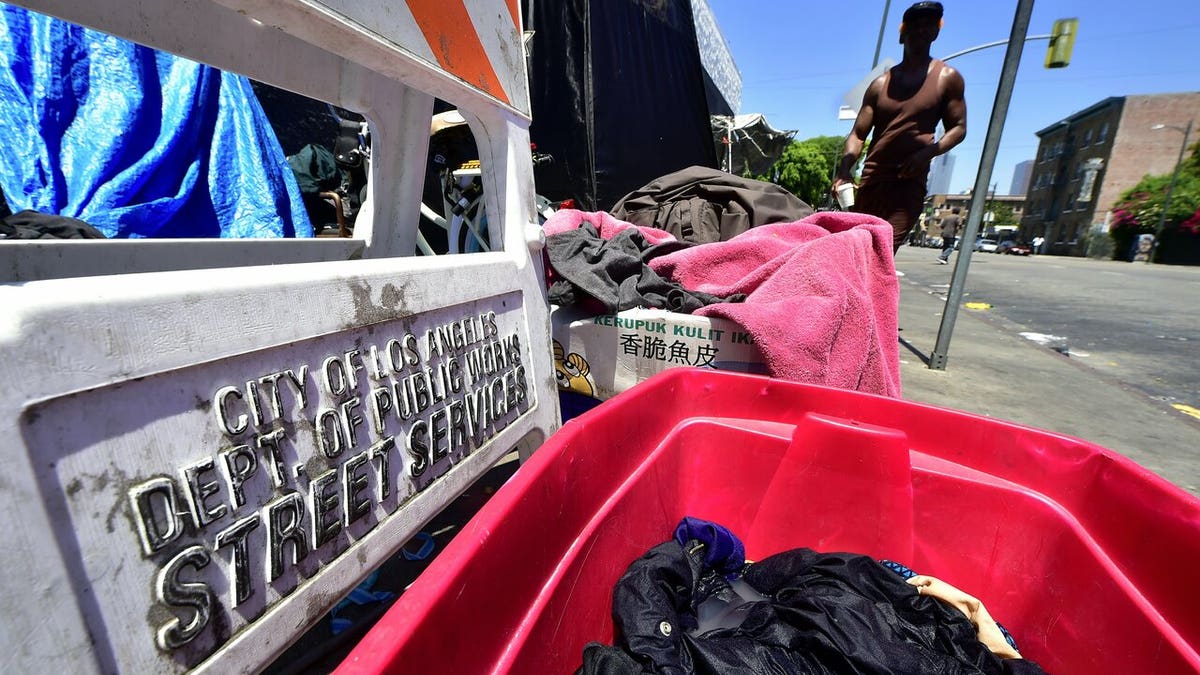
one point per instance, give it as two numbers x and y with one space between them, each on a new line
1087 558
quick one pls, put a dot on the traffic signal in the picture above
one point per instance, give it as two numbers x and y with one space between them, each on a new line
1062 41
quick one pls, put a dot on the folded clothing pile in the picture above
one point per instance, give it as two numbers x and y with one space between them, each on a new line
818 296
692 605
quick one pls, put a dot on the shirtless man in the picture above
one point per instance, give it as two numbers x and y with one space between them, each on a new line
901 110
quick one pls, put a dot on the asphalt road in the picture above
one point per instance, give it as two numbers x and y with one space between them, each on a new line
1138 324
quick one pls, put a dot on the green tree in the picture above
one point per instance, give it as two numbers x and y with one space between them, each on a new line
1191 163
1140 209
806 167
1002 214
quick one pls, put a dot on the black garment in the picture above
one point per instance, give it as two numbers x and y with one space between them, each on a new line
34 225
701 205
831 613
316 169
614 273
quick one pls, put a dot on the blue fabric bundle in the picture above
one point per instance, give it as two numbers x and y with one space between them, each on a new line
723 551
136 142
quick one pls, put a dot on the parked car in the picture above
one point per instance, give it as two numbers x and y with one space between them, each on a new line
985 245
1014 248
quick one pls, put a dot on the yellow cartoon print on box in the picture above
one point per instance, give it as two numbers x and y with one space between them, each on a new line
571 371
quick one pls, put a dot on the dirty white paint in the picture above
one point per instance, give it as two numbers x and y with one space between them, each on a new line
205 453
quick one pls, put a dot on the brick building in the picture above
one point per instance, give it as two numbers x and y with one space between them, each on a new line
939 206
1085 161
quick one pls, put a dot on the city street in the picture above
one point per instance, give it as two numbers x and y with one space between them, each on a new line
1136 324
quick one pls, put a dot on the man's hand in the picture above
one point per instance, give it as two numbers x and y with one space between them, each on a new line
918 162
836 183
985 626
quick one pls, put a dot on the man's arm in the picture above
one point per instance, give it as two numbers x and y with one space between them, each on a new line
858 135
954 121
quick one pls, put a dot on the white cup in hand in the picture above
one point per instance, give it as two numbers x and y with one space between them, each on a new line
845 195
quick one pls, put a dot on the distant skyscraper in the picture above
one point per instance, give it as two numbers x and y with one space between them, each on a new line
1021 174
940 171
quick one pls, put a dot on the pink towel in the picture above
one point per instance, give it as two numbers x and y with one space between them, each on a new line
569 219
821 299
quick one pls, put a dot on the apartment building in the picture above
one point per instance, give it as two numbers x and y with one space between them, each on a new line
1085 161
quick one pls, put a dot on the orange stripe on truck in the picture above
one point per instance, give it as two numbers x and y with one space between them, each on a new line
451 35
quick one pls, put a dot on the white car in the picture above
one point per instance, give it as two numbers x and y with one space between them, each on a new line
986 245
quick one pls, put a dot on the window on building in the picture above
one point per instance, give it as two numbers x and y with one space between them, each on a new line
1103 135
1087 137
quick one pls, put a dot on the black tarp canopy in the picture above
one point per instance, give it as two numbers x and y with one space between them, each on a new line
618 96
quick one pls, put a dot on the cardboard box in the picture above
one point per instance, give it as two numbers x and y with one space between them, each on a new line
603 355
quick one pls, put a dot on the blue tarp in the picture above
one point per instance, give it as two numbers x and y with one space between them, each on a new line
136 142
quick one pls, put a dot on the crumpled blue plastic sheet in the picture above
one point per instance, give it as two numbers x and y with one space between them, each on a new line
136 142
361 595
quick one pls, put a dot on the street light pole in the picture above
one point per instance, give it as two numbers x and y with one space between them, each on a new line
882 24
1162 219
997 43
991 145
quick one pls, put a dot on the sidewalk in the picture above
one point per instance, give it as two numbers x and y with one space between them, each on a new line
992 371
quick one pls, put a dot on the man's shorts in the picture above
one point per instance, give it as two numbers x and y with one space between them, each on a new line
897 201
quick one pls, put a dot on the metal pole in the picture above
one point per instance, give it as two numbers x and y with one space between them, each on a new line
997 43
1162 219
991 145
729 146
882 24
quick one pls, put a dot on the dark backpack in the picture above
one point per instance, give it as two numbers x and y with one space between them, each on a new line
702 205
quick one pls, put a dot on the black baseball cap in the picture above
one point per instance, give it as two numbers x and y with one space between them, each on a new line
923 9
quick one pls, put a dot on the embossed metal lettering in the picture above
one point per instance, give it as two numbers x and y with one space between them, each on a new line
330 433
351 420
353 483
382 451
269 444
195 599
221 406
157 513
235 535
418 448
306 461
354 365
254 403
239 463
199 490
322 502
284 524
381 405
335 376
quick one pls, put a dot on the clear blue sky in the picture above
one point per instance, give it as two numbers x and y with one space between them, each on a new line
799 58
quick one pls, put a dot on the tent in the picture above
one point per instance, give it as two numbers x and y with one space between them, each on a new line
748 144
